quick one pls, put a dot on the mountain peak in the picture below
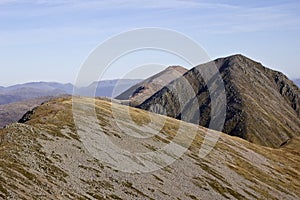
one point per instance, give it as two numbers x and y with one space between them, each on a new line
237 60
240 57
263 105
177 68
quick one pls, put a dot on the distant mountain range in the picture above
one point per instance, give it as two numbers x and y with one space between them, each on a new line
46 86
107 88
16 100
12 112
33 90
25 93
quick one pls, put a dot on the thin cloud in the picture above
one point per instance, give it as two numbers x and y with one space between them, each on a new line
77 5
251 19
216 18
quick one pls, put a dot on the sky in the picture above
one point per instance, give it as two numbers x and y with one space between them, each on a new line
49 40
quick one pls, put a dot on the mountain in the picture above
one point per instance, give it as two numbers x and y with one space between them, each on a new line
26 91
143 90
47 156
12 112
297 82
107 88
263 106
32 90
47 86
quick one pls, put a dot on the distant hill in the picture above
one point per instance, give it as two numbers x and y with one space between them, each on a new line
21 92
46 157
263 106
16 100
12 112
25 93
46 86
32 90
107 88
146 88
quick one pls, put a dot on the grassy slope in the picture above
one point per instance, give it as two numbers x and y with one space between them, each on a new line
45 159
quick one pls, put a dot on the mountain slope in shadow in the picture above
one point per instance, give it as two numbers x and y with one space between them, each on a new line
263 106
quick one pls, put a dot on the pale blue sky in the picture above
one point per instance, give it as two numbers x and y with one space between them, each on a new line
49 39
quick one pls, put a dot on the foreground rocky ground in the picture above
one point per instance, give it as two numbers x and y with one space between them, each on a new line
48 156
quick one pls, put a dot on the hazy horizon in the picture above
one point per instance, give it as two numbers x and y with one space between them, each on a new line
85 85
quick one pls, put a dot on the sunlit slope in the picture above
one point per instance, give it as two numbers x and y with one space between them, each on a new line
45 158
141 91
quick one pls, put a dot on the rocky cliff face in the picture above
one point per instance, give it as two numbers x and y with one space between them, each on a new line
262 104
143 90
47 157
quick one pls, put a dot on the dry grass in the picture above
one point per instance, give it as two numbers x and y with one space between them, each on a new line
277 174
